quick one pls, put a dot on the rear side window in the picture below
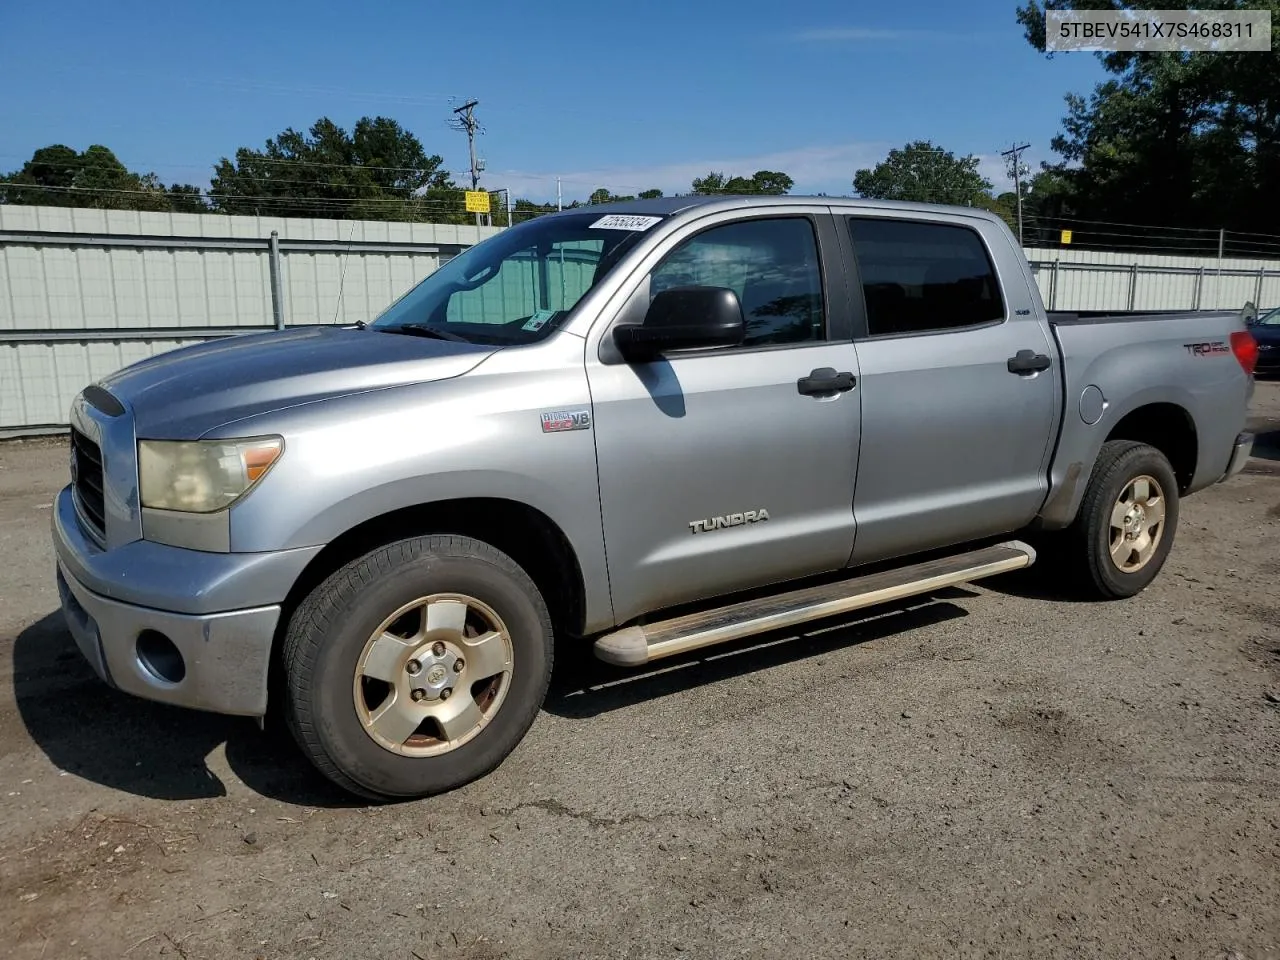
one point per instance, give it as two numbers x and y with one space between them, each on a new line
771 264
919 277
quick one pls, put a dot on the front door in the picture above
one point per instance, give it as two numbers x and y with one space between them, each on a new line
719 470
955 443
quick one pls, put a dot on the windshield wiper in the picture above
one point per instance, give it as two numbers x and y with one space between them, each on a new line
423 330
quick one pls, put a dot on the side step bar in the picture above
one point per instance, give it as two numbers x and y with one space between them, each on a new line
634 646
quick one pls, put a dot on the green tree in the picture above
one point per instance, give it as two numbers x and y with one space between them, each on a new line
58 176
925 173
53 167
378 171
602 195
186 198
762 182
650 194
1184 139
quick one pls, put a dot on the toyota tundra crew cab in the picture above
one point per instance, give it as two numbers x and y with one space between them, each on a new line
636 429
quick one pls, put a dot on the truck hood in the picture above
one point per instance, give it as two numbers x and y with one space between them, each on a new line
185 393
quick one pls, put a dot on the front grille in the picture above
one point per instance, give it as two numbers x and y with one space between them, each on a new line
86 479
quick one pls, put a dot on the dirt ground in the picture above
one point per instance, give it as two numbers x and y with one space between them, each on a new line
999 771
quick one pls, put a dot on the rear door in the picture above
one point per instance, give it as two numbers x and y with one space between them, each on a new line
955 444
718 470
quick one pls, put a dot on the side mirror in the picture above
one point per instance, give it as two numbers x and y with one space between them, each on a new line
682 318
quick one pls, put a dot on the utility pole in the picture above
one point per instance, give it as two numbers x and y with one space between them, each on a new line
1015 153
467 121
559 198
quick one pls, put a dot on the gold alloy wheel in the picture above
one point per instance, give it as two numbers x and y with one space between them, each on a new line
433 675
1137 524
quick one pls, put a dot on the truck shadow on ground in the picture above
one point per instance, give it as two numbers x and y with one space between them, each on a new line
1043 580
160 752
1266 445
586 687
147 749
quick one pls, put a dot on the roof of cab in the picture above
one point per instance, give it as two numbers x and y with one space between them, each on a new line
669 206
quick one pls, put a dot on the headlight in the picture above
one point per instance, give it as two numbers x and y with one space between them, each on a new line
204 475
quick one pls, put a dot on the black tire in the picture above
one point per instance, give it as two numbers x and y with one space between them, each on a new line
1088 539
327 634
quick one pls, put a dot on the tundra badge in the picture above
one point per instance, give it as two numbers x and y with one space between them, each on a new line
732 520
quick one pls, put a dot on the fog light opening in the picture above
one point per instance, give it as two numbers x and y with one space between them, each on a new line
160 658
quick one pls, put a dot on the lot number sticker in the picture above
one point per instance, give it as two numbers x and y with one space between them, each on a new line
538 320
622 221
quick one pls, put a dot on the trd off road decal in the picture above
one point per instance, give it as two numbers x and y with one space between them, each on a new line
1206 349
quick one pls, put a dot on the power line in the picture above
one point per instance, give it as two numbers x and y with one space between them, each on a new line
1148 227
90 191
604 179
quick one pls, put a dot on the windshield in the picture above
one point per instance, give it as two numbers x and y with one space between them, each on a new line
520 285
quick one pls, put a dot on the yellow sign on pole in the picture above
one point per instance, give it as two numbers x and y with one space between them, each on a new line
1066 234
477 201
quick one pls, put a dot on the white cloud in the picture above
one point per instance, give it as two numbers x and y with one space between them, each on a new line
815 169
992 166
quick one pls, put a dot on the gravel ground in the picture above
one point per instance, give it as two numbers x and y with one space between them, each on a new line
1000 771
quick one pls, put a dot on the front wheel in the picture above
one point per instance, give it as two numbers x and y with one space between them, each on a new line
418 667
1127 520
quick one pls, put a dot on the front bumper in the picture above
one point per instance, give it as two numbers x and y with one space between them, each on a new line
224 656
1240 454
218 610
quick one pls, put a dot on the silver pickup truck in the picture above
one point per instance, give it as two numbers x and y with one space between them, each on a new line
637 429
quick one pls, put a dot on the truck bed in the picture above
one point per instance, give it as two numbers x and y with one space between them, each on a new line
1063 317
1117 363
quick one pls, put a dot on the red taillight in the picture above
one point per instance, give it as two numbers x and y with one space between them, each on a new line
1246 350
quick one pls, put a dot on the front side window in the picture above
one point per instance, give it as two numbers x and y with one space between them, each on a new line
771 264
919 277
518 286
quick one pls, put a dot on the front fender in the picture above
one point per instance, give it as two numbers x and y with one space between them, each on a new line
354 459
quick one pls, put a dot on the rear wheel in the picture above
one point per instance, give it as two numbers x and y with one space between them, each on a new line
1125 528
417 667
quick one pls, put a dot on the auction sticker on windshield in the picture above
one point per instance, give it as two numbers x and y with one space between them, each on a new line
622 221
538 320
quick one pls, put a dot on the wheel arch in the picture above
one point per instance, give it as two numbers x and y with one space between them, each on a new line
527 535
1170 428
1166 423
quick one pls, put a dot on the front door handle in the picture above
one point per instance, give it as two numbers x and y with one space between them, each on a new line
825 380
1028 361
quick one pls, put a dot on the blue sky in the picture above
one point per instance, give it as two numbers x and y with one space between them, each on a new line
621 95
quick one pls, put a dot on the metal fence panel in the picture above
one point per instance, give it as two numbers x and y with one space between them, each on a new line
84 292
1098 280
71 277
39 380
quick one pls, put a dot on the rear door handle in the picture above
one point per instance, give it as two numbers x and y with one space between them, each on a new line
825 380
1028 361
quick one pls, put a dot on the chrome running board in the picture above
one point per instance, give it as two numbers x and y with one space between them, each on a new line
634 646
